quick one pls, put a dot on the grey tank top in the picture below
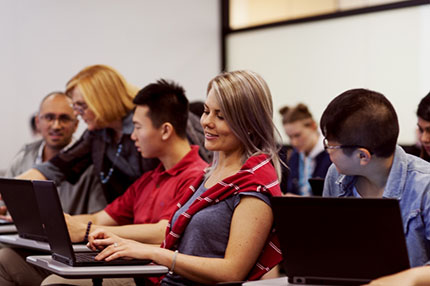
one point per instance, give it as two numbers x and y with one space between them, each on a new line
208 231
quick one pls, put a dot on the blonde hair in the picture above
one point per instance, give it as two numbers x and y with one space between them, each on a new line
105 91
246 104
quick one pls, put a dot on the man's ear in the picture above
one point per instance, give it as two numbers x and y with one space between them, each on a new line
314 125
37 122
364 156
166 130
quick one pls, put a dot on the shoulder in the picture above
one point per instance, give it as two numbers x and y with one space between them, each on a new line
33 145
30 149
330 182
194 160
260 196
190 165
294 158
323 157
413 166
258 171
418 174
260 167
416 164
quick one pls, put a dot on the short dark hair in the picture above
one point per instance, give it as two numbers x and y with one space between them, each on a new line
424 108
167 103
362 117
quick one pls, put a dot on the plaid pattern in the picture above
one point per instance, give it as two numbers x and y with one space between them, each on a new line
256 175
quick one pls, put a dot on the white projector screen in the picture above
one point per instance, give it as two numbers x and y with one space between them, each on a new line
313 62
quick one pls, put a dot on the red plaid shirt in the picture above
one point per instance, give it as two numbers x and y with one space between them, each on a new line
256 175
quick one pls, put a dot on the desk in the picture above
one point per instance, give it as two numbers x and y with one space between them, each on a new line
16 240
269 282
7 228
46 262
283 281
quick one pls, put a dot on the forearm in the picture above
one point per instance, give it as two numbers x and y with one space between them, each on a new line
422 276
418 276
199 269
146 233
32 174
79 224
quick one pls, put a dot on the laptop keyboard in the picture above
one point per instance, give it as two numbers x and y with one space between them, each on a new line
85 256
88 258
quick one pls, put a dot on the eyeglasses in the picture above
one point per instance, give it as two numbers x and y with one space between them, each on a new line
332 147
51 118
80 107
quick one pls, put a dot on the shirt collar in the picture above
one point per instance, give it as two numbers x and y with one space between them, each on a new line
318 148
181 165
39 158
397 177
127 128
346 183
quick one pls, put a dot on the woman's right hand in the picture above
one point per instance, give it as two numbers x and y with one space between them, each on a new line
114 247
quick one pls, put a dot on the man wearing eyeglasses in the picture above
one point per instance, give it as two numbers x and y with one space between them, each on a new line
56 123
361 130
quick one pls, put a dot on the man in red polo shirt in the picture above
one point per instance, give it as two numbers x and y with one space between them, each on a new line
142 212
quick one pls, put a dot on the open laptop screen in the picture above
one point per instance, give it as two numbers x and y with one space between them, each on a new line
58 235
336 240
21 202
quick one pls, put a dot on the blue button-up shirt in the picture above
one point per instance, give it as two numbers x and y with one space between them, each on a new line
408 182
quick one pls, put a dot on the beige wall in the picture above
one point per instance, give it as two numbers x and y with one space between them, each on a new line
315 61
45 42
245 13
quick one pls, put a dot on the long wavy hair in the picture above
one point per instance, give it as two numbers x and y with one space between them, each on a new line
246 104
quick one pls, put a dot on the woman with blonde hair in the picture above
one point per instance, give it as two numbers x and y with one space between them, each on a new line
104 100
225 220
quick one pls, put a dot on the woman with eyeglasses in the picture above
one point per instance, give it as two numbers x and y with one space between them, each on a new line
104 100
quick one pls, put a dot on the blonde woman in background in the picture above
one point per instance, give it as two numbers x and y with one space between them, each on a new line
104 100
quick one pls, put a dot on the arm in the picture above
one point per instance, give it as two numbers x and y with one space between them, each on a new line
152 233
250 227
329 182
32 174
77 225
418 276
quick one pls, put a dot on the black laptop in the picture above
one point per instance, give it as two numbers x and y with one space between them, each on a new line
20 200
58 236
339 241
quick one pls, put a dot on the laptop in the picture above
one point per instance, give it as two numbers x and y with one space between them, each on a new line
317 186
339 241
58 236
21 203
